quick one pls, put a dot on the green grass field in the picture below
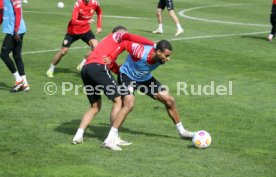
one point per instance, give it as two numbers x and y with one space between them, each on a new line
36 129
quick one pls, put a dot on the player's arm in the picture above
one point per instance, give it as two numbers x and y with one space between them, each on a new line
75 15
121 47
114 67
137 39
16 4
99 18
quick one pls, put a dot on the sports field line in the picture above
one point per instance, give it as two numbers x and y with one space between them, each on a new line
67 14
173 39
182 14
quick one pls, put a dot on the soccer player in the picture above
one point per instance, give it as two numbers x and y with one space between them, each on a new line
170 6
135 74
272 21
96 76
1 11
14 28
79 28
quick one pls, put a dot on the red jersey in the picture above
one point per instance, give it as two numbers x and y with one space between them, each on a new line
82 13
110 44
274 1
1 4
135 50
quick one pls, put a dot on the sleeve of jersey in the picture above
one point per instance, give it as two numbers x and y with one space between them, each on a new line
122 46
137 38
114 67
17 12
75 15
99 17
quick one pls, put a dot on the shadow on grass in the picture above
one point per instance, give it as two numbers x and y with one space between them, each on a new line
255 37
100 131
4 86
68 70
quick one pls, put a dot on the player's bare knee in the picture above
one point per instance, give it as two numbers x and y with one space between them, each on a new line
63 52
169 102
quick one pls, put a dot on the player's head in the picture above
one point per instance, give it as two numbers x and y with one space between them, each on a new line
163 51
119 28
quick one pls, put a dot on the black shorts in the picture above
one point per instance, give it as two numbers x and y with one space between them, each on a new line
149 87
165 3
97 78
71 38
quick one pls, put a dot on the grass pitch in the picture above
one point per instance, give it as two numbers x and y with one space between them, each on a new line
223 41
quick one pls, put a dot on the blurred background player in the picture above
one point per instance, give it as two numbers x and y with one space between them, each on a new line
14 28
170 6
79 28
135 74
96 74
272 21
1 11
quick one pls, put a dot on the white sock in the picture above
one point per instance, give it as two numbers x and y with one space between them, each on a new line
52 68
79 133
180 127
25 80
112 134
17 77
160 26
178 26
83 61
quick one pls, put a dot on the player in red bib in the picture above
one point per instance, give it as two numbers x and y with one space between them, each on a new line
1 11
96 76
79 28
272 21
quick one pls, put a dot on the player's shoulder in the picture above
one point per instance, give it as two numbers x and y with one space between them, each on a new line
16 3
117 36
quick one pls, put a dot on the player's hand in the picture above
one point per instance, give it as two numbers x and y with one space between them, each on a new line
91 21
99 30
107 60
16 37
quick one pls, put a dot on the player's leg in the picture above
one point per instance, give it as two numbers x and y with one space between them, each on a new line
68 40
170 7
158 92
170 105
91 40
17 55
95 102
7 46
160 7
127 91
273 23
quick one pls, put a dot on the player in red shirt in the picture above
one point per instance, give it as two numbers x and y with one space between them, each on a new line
272 21
79 28
1 11
96 76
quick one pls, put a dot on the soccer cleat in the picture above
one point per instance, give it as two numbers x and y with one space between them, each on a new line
79 67
110 144
158 31
50 73
17 86
179 31
25 88
187 135
77 140
121 142
270 37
